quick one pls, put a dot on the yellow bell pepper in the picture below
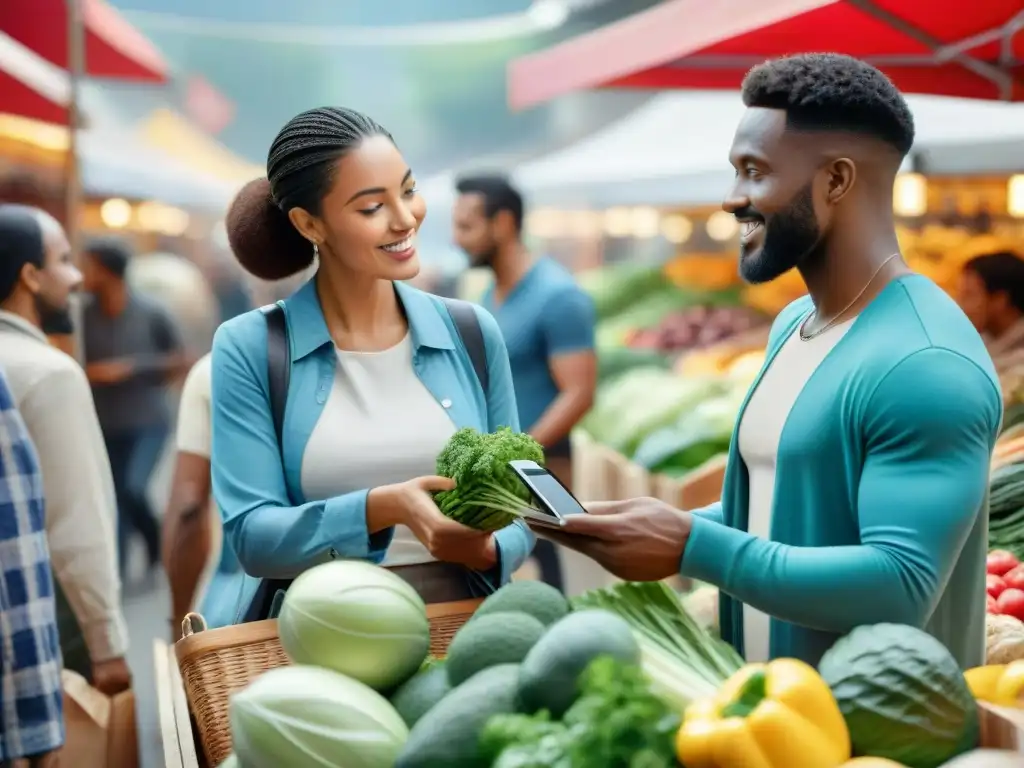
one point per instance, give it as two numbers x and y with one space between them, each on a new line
1001 684
775 715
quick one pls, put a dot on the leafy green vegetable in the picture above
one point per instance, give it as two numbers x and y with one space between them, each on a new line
616 723
682 660
488 495
631 406
698 435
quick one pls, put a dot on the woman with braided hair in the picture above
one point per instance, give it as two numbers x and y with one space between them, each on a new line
377 376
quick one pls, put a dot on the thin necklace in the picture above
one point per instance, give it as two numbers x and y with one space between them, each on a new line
835 319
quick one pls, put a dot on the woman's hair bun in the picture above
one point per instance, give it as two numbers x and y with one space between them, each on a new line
262 236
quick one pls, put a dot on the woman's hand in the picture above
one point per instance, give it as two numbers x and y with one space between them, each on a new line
411 504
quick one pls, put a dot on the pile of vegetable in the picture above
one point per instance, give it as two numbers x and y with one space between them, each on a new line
1004 583
630 298
620 677
1006 508
663 422
694 327
533 681
488 495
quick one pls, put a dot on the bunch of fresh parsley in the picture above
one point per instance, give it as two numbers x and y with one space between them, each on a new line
617 722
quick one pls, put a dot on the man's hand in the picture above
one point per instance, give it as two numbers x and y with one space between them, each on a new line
111 676
109 371
636 540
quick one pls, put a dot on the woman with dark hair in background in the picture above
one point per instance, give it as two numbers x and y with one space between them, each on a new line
378 378
991 294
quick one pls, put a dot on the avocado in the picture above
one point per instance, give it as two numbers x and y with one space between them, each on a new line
550 673
421 692
540 600
500 638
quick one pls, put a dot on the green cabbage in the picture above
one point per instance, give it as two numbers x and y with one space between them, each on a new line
357 619
300 715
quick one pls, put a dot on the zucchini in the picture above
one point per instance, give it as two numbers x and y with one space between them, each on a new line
1007 498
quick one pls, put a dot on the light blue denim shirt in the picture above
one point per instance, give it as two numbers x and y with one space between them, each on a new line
256 486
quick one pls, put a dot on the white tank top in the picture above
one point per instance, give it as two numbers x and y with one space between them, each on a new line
380 425
759 435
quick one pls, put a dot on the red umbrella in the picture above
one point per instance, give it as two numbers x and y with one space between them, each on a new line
113 47
944 47
30 86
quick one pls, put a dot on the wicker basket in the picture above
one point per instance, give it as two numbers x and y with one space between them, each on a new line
215 663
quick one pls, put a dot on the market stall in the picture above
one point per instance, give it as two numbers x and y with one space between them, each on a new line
357 671
924 47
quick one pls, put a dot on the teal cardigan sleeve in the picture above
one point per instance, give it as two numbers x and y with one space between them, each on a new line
712 512
515 542
928 440
272 537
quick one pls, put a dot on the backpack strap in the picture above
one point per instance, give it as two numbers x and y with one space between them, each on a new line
267 600
467 323
279 365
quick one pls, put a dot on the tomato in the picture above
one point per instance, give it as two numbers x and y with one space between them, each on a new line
999 561
990 604
1011 603
994 585
1014 578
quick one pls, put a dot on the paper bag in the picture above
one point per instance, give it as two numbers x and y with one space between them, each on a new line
100 730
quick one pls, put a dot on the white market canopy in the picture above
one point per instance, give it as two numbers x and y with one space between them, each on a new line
674 150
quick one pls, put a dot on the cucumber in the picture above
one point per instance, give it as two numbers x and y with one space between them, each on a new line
447 735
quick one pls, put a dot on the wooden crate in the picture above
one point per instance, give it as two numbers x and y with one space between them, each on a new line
588 479
176 732
699 488
1002 728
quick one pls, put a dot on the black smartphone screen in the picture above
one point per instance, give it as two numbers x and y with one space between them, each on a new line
548 487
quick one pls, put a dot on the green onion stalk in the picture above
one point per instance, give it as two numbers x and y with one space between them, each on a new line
683 661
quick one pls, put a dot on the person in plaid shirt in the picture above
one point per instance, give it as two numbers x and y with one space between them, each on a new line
31 695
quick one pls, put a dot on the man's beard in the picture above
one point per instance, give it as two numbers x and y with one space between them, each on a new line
485 257
791 238
54 321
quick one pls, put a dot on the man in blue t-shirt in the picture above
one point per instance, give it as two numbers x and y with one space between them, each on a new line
547 321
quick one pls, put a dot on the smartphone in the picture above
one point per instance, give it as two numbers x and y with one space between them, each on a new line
554 499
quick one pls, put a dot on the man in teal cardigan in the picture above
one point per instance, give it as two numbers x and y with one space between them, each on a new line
856 486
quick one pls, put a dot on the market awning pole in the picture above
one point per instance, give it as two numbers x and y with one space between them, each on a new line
72 176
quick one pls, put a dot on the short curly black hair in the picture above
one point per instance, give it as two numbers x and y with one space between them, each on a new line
832 92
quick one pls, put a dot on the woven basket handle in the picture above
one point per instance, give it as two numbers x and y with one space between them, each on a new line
192 623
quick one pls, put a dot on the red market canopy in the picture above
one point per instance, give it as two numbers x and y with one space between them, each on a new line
113 47
943 47
30 86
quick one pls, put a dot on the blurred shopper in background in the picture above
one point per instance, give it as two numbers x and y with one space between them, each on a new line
194 552
340 462
132 349
31 693
547 321
991 294
49 388
27 188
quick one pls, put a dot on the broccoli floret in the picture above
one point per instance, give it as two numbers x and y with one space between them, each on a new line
488 495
